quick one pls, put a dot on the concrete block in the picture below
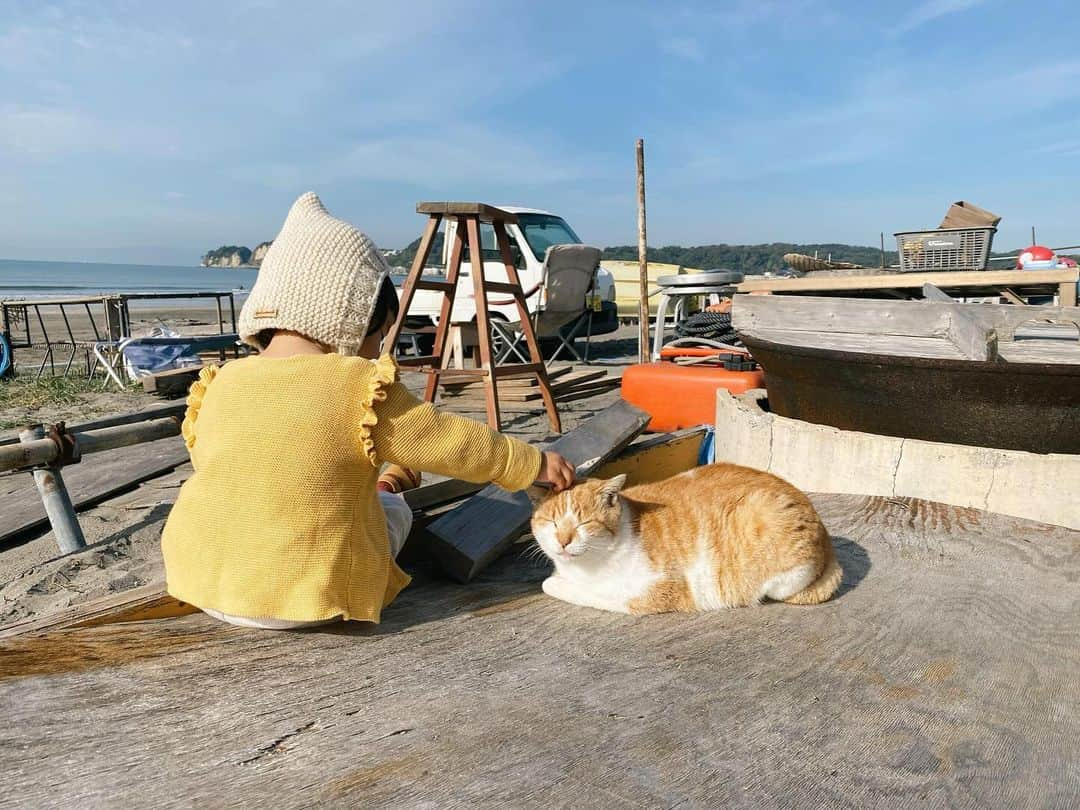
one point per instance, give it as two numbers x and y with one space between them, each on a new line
933 471
743 429
818 458
1040 487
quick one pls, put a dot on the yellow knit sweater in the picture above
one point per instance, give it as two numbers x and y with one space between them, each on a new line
280 518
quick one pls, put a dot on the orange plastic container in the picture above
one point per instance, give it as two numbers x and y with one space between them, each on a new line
679 397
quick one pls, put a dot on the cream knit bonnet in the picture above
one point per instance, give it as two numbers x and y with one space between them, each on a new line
320 278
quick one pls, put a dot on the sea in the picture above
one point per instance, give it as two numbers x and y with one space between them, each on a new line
36 280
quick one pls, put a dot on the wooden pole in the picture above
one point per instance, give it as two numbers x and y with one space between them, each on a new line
882 249
643 262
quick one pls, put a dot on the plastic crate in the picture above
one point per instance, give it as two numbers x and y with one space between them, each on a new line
945 249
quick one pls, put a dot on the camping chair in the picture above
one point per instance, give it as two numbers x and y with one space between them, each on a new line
566 284
147 355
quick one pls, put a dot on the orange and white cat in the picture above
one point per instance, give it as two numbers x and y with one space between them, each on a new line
714 537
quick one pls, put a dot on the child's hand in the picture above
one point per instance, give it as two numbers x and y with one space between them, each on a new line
556 471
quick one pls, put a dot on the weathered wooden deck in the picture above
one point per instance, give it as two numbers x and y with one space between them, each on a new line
944 673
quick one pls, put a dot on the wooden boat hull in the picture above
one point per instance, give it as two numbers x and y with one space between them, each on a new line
1014 406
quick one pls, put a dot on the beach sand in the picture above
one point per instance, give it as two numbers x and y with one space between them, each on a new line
101 398
123 533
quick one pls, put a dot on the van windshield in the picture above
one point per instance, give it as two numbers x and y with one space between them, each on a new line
542 231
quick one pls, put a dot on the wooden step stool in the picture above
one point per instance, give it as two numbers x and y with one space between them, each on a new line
468 216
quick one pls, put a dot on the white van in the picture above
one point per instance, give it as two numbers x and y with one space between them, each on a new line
534 232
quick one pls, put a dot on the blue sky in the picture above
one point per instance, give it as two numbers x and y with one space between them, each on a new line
149 132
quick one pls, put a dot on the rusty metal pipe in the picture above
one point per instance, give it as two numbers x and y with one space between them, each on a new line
36 451
55 498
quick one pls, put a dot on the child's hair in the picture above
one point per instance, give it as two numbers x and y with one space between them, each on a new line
386 306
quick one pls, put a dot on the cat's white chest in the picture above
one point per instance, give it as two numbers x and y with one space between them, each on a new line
610 582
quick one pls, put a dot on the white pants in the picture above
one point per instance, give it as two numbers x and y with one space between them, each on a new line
398 523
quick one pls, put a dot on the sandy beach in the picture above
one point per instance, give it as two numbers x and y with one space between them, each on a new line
101 397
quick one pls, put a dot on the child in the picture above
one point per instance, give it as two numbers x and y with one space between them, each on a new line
283 523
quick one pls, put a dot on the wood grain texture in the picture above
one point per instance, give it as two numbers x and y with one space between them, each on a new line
97 477
486 213
943 675
134 605
948 280
474 535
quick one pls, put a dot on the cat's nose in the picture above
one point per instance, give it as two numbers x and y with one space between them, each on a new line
565 539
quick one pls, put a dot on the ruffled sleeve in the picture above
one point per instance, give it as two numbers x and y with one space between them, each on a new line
383 375
194 403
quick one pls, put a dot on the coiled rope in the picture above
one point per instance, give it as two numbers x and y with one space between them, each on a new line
709 325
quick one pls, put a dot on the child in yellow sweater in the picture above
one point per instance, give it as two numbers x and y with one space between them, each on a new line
283 523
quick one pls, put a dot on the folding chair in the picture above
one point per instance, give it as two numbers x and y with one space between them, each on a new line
566 285
168 350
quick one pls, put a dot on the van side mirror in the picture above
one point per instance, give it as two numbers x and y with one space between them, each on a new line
517 256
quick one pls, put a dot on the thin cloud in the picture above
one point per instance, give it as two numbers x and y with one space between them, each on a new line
683 47
931 10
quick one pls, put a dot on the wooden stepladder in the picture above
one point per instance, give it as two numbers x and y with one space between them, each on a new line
468 216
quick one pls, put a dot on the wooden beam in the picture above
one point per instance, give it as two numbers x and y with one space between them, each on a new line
933 293
657 457
138 604
486 213
1009 295
953 279
751 314
974 339
471 537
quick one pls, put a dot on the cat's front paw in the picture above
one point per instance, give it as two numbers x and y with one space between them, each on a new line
555 586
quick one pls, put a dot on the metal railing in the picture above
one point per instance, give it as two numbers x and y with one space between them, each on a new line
43 452
110 324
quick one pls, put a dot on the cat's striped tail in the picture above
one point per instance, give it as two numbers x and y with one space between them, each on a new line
822 588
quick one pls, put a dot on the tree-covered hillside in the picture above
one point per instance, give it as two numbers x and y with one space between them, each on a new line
747 259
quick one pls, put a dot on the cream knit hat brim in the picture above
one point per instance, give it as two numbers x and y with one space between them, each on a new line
320 278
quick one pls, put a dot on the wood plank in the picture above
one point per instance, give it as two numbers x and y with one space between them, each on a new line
93 480
898 345
135 605
932 293
565 385
975 331
656 458
902 689
955 279
971 337
486 213
752 313
1041 351
171 383
966 332
430 495
471 537
452 378
530 402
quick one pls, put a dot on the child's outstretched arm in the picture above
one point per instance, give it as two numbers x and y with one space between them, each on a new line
415 434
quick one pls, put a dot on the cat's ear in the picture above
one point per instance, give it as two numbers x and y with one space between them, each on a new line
609 492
